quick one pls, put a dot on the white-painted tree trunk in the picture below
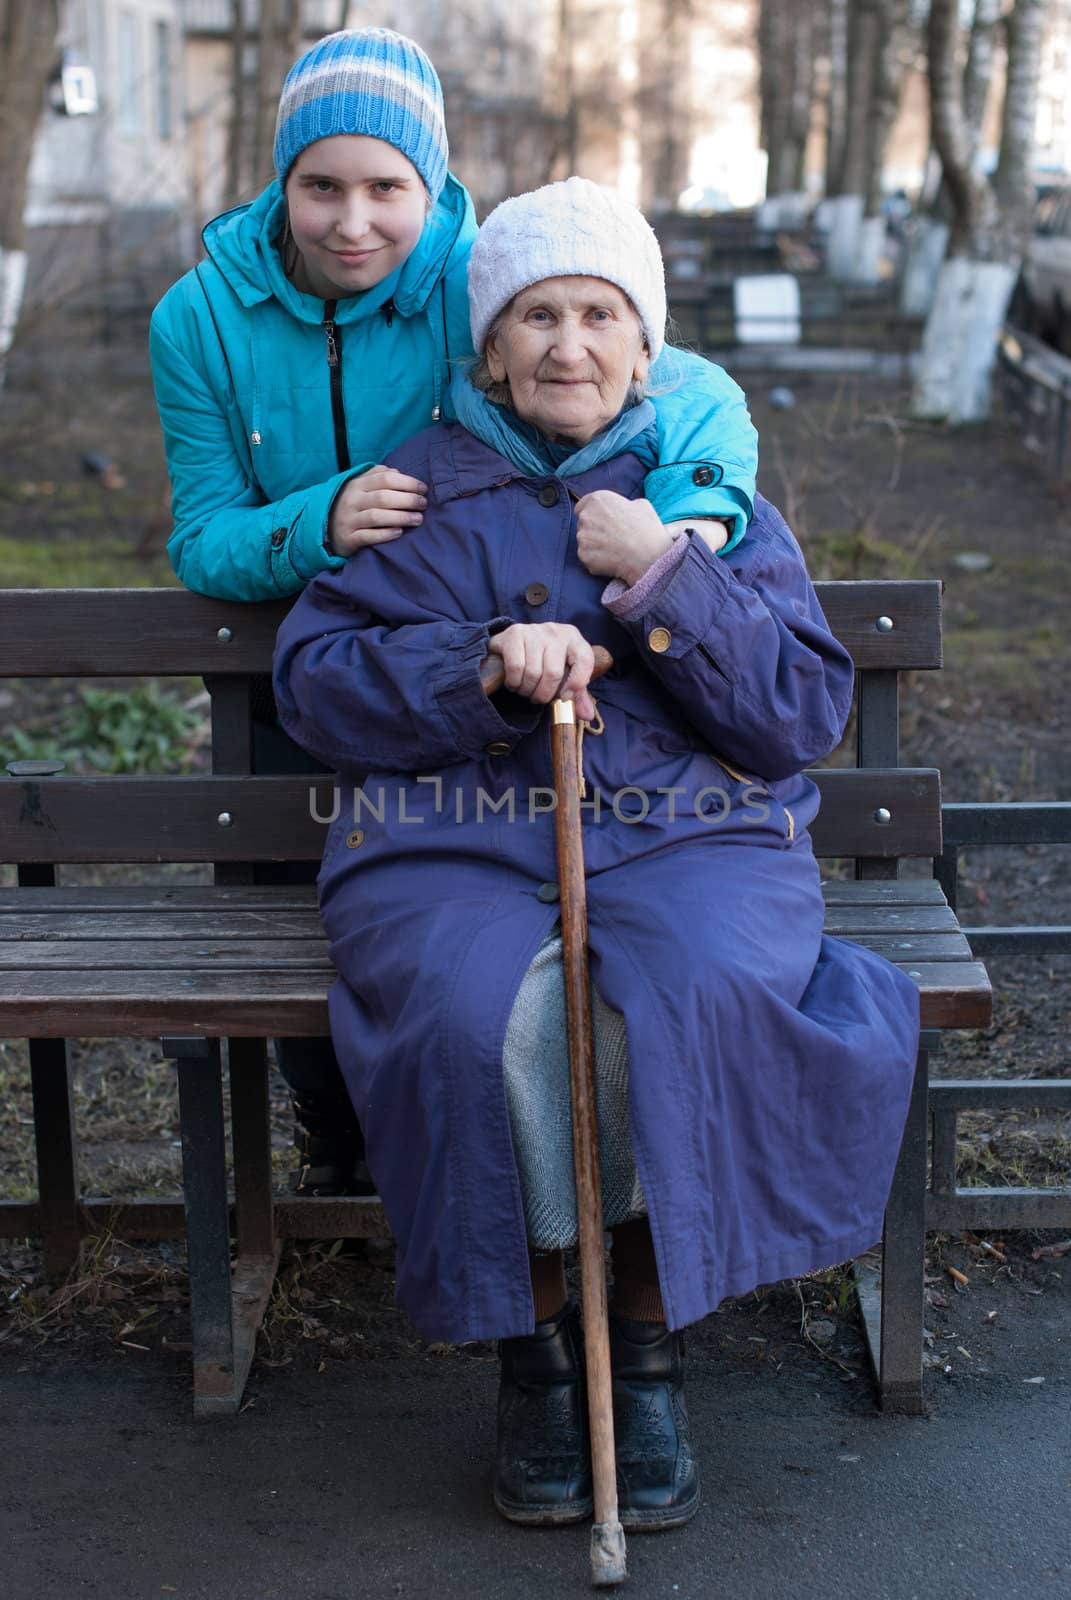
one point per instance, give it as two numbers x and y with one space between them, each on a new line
871 250
12 287
842 248
959 347
926 248
783 212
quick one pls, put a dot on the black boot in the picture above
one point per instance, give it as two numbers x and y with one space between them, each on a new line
331 1149
657 1478
543 1464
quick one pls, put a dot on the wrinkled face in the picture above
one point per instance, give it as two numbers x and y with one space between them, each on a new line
357 208
569 348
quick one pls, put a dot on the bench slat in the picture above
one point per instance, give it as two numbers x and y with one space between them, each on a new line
272 927
136 819
47 1005
241 953
286 898
852 611
118 633
158 955
861 918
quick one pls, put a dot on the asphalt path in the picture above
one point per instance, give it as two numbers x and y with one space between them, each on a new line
371 1480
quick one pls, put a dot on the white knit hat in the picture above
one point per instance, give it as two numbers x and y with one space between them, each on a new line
575 228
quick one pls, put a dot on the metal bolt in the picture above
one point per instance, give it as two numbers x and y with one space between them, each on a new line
883 815
884 624
225 819
224 635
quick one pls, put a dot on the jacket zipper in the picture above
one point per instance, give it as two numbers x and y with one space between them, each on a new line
334 363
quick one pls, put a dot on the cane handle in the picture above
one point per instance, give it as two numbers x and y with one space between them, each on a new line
493 669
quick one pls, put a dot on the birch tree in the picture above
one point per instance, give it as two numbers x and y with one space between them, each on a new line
928 241
875 38
989 222
27 55
787 39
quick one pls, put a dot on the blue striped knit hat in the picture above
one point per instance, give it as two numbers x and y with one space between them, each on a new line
370 81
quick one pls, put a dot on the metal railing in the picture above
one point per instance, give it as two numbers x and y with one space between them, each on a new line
948 1207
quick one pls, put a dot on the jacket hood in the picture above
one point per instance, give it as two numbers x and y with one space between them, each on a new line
243 244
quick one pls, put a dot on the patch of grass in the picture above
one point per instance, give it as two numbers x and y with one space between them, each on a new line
843 554
104 562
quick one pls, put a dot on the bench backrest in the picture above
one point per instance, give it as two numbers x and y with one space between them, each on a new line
875 812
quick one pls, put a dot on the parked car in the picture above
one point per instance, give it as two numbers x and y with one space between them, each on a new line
1042 301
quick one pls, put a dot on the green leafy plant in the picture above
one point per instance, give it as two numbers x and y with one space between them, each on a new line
114 730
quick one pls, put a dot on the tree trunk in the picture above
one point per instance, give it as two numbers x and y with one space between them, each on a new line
279 37
668 121
774 86
989 224
846 210
801 95
979 69
864 33
837 102
885 96
1013 179
972 204
27 54
236 125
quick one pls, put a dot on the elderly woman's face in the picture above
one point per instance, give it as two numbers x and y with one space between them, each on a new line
569 348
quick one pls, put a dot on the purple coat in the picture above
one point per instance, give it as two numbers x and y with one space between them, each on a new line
769 1065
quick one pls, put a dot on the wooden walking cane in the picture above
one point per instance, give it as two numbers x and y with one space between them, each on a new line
607 1535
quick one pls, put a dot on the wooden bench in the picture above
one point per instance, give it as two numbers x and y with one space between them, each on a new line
194 965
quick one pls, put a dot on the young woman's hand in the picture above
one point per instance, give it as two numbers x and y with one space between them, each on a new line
619 538
373 508
545 661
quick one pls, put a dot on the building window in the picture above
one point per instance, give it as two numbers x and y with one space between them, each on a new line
128 119
163 80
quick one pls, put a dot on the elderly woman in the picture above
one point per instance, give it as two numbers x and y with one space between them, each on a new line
753 1075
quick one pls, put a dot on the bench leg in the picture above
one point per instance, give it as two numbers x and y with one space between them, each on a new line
893 1307
247 1061
254 1199
204 1187
226 1306
57 1180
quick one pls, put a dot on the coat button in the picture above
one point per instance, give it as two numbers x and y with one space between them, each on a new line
498 747
548 893
355 839
548 495
278 538
537 594
703 476
659 640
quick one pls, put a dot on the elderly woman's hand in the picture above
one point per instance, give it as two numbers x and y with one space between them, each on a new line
546 661
619 538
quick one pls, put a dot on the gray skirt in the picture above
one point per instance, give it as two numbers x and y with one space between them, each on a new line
536 1068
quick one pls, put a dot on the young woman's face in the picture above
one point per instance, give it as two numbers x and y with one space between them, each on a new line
569 348
357 208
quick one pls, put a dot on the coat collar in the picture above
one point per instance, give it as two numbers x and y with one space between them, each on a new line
459 464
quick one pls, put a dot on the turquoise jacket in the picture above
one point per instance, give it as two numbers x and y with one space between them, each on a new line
271 399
